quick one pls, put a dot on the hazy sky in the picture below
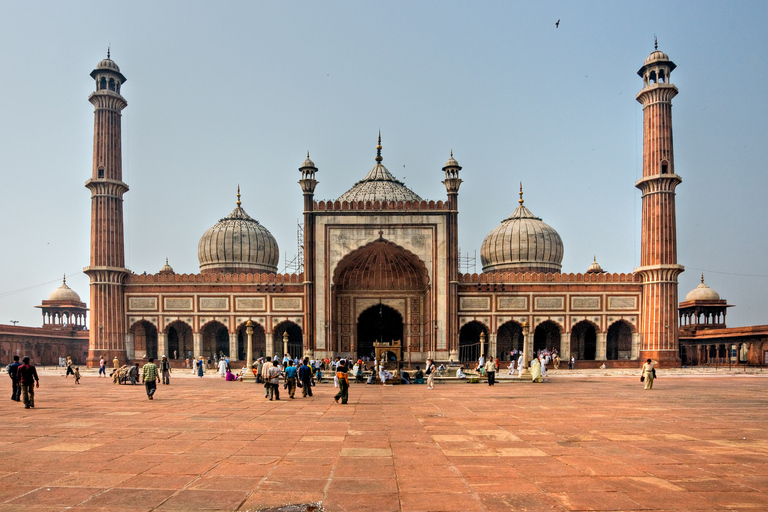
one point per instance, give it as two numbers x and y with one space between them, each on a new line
228 93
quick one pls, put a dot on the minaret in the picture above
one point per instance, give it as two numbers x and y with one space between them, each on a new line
452 183
658 259
107 269
308 184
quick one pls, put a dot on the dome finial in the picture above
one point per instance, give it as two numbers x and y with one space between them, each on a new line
108 49
64 280
307 153
702 277
379 158
238 196
521 194
655 42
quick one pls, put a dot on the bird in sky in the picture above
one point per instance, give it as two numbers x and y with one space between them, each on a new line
557 24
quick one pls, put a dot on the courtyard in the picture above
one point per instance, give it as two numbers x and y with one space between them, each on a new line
581 441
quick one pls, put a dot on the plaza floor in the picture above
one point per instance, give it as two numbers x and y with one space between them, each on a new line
576 442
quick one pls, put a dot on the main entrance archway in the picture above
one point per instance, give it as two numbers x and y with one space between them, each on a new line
378 323
380 292
215 340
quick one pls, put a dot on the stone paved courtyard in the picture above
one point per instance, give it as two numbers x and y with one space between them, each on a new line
577 442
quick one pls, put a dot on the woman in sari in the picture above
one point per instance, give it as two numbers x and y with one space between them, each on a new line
647 374
536 371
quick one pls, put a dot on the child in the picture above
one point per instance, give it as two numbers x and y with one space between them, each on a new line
77 375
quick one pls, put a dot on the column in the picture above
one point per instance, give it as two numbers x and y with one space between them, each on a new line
636 340
130 351
162 344
565 347
527 350
233 346
197 344
601 342
492 348
270 344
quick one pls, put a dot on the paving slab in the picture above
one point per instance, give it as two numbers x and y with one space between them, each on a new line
580 441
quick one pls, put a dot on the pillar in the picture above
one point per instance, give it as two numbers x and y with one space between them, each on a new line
600 349
197 344
565 346
162 344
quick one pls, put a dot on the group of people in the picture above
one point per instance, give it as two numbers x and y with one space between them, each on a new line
268 371
24 380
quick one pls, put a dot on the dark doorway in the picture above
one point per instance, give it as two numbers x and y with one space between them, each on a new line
179 341
618 343
144 339
584 340
470 347
509 338
258 342
546 336
378 323
295 339
215 340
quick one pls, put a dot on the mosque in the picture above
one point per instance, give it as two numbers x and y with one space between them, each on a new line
381 264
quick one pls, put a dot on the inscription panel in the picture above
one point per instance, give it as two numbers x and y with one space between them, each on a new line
591 303
549 303
622 302
475 303
214 303
507 303
250 303
143 303
286 303
177 304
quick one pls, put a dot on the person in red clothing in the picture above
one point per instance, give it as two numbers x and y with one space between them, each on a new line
29 381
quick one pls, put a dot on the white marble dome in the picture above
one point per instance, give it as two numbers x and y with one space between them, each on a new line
522 243
702 292
379 185
238 244
64 293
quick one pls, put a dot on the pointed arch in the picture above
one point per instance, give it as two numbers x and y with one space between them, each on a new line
470 348
584 340
618 343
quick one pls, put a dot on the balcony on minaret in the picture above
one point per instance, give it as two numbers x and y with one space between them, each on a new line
452 181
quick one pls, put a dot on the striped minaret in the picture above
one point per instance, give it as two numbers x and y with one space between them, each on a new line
658 259
107 269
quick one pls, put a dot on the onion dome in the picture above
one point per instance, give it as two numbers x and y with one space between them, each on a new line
167 269
64 293
379 185
109 67
522 243
655 58
702 292
595 267
308 163
238 244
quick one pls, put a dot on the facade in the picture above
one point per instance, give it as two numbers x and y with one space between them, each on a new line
381 265
705 339
62 334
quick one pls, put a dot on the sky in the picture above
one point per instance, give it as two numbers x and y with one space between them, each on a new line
229 93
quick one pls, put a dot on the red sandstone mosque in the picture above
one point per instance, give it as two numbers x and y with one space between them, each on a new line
381 264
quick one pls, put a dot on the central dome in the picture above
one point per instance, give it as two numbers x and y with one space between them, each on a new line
522 243
379 185
238 244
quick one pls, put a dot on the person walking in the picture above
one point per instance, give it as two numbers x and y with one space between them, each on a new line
69 367
343 377
305 376
490 371
116 363
222 367
273 375
200 363
265 375
520 361
77 375
151 377
102 368
13 372
648 374
430 373
28 380
165 370
572 363
133 374
290 378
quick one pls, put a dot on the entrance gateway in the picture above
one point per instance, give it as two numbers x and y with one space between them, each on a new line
381 294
